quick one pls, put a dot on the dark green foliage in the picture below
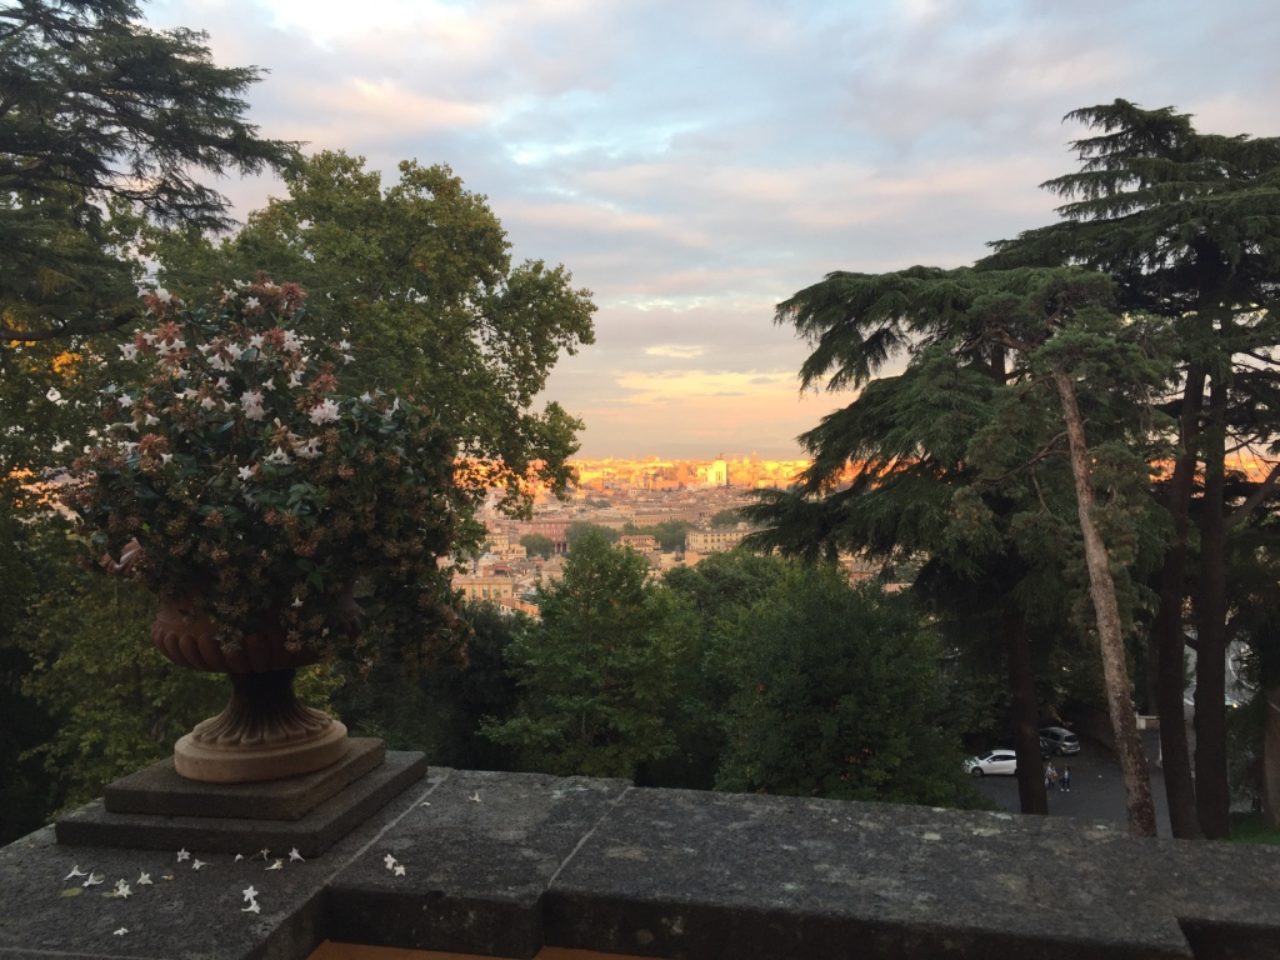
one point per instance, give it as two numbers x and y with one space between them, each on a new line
437 706
580 530
537 545
725 519
418 277
720 590
670 534
597 675
103 121
850 705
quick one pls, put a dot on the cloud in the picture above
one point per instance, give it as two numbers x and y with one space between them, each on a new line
676 351
695 164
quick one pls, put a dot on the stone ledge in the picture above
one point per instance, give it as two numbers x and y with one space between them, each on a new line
502 864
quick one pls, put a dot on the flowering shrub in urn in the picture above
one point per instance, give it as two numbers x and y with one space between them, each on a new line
255 485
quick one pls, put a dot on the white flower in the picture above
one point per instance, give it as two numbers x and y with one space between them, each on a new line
119 931
307 451
165 458
399 870
149 338
278 457
93 880
297 602
390 861
75 872
220 364
265 854
365 398
150 420
348 358
125 401
122 890
276 865
295 378
183 855
256 341
344 346
475 797
271 287
248 892
189 394
252 304
292 342
128 351
53 396
294 855
252 402
144 880
324 412
239 284
221 385
245 473
197 864
208 402
240 856
251 908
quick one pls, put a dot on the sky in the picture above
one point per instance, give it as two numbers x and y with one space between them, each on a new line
695 163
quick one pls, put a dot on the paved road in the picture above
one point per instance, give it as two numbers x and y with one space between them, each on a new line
1097 789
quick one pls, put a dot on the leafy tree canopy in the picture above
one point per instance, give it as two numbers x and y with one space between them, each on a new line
538 545
597 675
418 277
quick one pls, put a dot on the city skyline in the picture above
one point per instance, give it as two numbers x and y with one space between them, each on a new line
694 165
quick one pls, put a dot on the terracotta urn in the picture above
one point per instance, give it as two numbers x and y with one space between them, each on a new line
265 732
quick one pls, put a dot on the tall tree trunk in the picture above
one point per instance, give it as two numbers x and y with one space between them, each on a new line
1167 638
1271 755
1102 590
1026 712
1213 798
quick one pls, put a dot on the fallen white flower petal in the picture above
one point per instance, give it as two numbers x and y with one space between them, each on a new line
249 892
183 855
239 857
144 880
251 908
399 870
475 797
93 880
265 854
122 889
197 864
75 872
277 865
120 932
295 855
390 861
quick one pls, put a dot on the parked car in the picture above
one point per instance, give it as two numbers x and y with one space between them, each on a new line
1058 740
994 762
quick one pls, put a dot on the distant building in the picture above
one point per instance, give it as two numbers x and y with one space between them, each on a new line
643 542
493 587
713 541
718 473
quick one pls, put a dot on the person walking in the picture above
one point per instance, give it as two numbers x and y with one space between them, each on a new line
1064 782
1050 776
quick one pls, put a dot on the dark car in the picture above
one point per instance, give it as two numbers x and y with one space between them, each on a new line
1058 741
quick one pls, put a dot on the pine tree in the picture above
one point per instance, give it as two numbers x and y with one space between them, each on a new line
956 456
1188 226
102 122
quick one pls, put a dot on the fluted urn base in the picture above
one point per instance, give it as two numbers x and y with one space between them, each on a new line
264 733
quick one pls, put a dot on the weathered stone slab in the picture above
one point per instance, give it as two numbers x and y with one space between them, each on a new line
478 856
93 825
185 914
683 874
160 790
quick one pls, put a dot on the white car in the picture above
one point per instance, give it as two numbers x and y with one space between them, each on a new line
1003 762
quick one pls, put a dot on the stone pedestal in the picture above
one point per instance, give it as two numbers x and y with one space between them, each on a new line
157 809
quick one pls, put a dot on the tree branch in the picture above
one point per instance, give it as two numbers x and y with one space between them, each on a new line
66 330
1240 515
